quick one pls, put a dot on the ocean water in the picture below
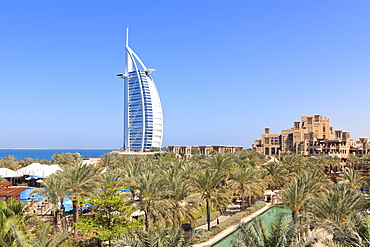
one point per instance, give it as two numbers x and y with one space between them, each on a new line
48 153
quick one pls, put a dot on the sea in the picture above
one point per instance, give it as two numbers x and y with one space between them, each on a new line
40 154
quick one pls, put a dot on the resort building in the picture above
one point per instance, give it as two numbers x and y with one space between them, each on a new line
143 118
7 191
312 136
188 151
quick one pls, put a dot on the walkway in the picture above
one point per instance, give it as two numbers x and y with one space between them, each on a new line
230 229
230 211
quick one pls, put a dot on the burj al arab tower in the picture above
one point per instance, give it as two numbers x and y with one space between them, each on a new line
143 118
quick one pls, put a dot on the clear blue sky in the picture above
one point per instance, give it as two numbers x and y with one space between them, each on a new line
225 69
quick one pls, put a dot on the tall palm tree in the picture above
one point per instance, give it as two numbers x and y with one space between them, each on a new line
131 172
300 191
55 192
292 161
353 179
281 234
249 157
176 189
26 161
332 162
108 159
340 212
206 182
246 182
65 159
219 162
276 175
220 199
355 162
149 187
80 180
338 203
156 237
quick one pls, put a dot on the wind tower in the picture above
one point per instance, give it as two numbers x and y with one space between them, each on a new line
142 117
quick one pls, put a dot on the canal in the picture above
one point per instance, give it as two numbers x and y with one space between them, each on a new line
267 217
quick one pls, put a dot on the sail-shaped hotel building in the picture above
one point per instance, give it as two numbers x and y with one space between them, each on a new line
143 118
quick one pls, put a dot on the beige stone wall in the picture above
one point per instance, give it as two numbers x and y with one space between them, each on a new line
312 136
179 151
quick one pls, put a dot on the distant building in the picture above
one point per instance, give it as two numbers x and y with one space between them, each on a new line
312 136
143 118
188 151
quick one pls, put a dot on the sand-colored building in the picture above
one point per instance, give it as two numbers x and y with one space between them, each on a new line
312 136
188 151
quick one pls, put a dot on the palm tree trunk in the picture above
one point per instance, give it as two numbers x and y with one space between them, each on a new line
243 198
75 216
208 214
146 221
294 216
55 220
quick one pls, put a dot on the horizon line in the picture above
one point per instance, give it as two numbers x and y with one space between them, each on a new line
59 148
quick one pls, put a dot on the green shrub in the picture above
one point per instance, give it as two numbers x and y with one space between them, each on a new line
233 220
203 220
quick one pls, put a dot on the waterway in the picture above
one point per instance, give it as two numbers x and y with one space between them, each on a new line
267 217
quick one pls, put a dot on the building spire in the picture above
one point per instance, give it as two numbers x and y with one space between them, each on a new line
127 36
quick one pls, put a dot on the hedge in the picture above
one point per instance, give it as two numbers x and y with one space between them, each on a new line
233 220
203 220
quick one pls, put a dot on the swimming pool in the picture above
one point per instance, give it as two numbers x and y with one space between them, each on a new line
25 195
267 217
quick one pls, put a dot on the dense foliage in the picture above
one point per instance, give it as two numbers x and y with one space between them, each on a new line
145 200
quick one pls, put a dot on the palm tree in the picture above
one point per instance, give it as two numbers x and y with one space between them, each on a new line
11 214
247 182
131 172
113 178
340 212
249 157
25 162
355 161
108 159
292 161
298 193
11 162
276 175
176 189
218 162
312 163
220 199
157 237
40 239
281 234
338 203
353 179
332 162
149 191
66 159
80 180
206 182
55 192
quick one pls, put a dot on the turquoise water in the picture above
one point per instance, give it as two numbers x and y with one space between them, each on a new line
48 153
268 216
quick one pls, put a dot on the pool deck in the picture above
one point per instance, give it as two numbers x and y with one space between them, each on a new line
231 229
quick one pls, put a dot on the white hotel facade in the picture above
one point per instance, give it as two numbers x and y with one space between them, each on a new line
143 117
